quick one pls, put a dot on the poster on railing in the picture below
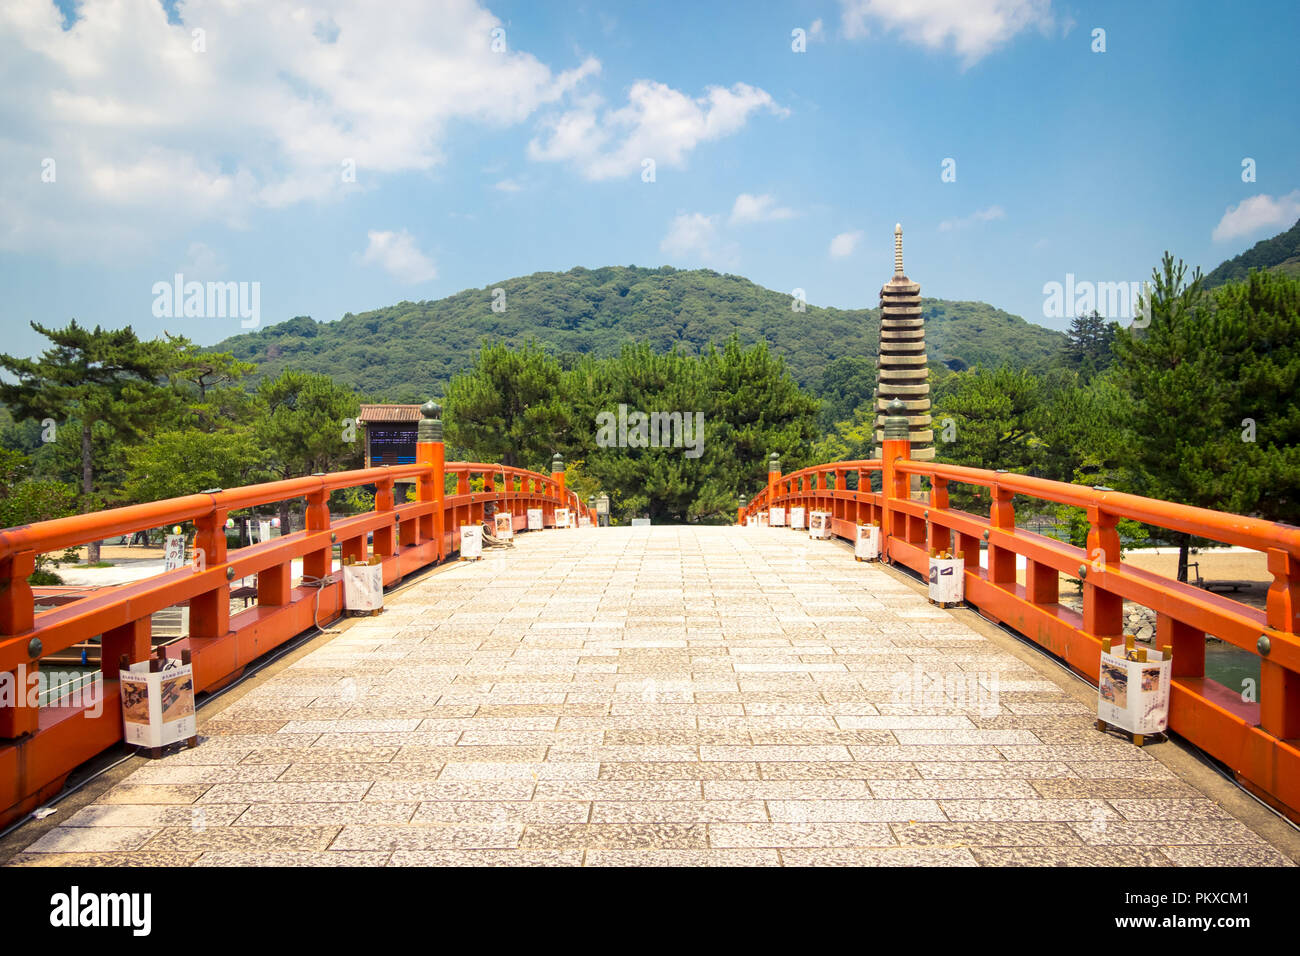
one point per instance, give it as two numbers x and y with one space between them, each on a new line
819 524
867 545
363 587
561 517
1134 694
796 518
947 580
534 519
776 517
503 524
471 542
174 556
157 706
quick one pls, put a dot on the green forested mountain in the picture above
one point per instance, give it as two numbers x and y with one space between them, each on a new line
1279 254
408 350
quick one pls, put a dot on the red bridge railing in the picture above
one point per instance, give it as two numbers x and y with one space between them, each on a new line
1257 739
40 745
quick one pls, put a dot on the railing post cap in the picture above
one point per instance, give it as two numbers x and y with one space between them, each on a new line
895 426
430 428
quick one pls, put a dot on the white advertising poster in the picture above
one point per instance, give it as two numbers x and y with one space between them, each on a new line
796 518
503 525
175 554
947 579
264 531
819 524
1134 694
776 517
534 519
158 707
363 587
867 546
471 541
561 517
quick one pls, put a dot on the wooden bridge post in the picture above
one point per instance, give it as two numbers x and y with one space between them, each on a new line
895 485
740 510
432 486
384 539
773 478
210 611
320 562
1279 688
1103 611
557 476
940 535
1002 517
17 615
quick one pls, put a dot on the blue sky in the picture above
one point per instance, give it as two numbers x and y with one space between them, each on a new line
223 154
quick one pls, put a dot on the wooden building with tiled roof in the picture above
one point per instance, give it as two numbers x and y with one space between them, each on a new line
390 433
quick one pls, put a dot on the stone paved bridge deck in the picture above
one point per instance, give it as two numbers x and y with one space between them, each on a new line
663 695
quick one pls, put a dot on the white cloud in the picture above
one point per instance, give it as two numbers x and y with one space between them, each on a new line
758 209
972 28
980 215
844 244
690 234
694 237
816 31
202 262
508 186
397 254
150 135
1256 213
658 123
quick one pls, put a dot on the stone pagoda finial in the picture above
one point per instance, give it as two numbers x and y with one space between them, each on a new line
898 249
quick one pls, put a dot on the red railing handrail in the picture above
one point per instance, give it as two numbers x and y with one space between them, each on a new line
58 534
1258 534
1222 526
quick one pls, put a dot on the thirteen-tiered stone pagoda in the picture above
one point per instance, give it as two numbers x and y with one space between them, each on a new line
902 373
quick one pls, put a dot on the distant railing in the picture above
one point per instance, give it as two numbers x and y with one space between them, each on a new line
1256 737
39 744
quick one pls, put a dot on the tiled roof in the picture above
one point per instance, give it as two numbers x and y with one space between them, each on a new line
389 413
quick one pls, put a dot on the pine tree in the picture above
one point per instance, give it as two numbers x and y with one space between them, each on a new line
1088 344
303 429
1210 386
510 408
107 378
